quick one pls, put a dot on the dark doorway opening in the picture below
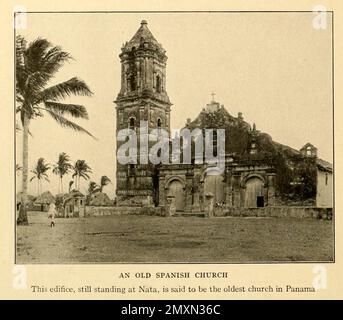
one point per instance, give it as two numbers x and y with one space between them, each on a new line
155 181
260 201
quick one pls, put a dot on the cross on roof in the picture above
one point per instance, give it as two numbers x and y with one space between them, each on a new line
213 94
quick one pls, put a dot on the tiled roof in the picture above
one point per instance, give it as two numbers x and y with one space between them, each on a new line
324 165
143 34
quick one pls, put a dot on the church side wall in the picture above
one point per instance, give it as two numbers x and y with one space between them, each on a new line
324 189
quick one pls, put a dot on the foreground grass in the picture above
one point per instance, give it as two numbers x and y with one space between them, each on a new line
176 239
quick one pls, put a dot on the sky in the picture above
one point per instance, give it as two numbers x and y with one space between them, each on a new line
275 68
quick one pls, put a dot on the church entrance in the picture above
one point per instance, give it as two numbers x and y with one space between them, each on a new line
254 193
214 184
176 189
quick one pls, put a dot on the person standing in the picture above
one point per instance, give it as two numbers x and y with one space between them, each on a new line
51 214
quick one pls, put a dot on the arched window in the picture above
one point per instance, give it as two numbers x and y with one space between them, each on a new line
132 123
159 123
215 135
132 82
215 142
158 83
131 169
309 151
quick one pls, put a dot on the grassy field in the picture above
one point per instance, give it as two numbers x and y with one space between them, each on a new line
176 239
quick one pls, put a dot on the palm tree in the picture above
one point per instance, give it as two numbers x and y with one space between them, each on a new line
104 181
93 188
81 170
40 173
36 65
61 168
71 182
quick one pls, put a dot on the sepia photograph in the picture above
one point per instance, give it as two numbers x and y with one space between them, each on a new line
174 137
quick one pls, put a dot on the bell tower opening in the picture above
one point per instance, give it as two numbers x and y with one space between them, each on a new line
158 83
132 82
132 123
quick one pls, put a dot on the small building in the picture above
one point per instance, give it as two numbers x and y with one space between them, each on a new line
44 200
73 204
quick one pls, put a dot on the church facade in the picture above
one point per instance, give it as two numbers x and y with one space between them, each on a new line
258 171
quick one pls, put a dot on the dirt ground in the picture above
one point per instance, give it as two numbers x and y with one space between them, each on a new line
130 238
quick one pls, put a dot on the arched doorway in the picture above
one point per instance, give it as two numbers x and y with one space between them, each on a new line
213 183
254 193
176 189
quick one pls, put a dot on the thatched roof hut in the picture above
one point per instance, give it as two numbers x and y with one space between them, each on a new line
45 198
100 199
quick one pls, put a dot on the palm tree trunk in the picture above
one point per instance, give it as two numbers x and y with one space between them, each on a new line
62 185
22 218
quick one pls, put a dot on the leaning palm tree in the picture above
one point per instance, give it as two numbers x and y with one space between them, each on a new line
61 168
93 187
40 173
81 170
36 65
104 181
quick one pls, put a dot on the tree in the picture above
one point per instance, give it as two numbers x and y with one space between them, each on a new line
36 65
40 173
61 168
71 182
81 170
93 187
104 181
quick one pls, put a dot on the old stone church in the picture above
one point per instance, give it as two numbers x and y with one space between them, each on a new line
258 172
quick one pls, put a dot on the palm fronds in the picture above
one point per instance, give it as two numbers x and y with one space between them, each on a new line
36 65
104 181
40 173
81 170
65 123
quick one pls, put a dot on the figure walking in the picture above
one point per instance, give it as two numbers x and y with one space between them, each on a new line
51 214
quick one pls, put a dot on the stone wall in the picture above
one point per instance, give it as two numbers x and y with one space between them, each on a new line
279 212
106 211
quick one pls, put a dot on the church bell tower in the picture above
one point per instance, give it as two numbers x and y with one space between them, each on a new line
142 97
